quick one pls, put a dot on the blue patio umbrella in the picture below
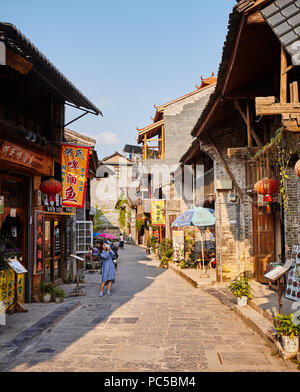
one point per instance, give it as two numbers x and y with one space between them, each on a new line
200 217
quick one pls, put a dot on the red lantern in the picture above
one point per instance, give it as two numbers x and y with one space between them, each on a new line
267 186
297 168
51 188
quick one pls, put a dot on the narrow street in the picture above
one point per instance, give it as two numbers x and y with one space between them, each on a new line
154 321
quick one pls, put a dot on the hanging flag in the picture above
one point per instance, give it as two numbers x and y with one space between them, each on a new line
158 212
74 170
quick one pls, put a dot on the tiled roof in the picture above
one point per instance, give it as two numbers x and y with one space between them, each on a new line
283 16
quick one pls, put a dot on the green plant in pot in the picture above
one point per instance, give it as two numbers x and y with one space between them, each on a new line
59 294
241 289
288 331
47 290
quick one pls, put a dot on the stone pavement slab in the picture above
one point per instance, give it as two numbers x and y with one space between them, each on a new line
154 321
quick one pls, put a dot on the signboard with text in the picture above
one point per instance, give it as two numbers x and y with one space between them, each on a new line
158 212
74 170
41 163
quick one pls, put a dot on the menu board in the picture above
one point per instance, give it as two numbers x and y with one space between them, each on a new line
279 271
17 266
178 245
293 279
57 238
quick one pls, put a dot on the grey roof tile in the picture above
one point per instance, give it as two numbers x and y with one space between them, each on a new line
289 11
282 29
275 20
294 20
288 38
284 18
283 3
270 10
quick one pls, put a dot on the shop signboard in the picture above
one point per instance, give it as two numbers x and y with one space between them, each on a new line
16 155
158 212
74 166
178 245
39 241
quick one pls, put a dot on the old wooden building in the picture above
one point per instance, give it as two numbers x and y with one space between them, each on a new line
32 118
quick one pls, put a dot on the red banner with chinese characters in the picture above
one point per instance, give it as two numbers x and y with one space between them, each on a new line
74 170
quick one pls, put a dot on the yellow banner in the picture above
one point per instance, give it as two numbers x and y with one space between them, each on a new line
74 170
158 212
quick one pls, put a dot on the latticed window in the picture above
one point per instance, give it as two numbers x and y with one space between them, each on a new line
84 236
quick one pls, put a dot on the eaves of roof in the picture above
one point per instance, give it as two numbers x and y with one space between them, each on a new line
235 19
44 71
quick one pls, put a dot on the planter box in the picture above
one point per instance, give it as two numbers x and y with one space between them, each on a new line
290 345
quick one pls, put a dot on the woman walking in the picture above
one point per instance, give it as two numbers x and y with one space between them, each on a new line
108 269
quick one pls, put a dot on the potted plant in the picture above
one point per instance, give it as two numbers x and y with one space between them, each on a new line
47 290
241 289
288 332
58 294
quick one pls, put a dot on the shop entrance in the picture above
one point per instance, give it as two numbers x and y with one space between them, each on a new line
13 215
53 251
263 242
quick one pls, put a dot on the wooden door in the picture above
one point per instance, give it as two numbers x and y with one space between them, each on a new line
263 242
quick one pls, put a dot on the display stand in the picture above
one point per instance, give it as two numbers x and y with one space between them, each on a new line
16 306
78 291
277 275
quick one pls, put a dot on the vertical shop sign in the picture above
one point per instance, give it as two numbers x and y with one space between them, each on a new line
39 241
74 170
1 205
158 212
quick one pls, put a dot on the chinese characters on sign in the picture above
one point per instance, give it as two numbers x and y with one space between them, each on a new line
158 212
21 156
39 243
74 168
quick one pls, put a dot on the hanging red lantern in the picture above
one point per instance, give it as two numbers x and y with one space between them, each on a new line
297 168
51 188
267 186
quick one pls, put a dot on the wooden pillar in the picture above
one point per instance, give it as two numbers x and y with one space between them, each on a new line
162 142
283 77
249 136
145 147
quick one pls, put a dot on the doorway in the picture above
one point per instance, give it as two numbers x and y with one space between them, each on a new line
263 241
53 251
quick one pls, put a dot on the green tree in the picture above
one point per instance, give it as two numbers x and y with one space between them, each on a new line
99 219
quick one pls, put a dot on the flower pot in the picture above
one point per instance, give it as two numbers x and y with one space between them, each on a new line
46 297
242 301
58 299
290 345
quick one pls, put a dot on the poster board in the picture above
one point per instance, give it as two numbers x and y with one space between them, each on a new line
158 216
293 278
17 267
279 271
178 245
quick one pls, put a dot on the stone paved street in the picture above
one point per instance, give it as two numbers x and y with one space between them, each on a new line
155 321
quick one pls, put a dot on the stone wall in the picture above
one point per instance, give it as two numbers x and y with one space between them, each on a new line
233 256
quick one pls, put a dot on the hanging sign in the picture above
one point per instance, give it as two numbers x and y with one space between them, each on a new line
39 241
158 212
74 170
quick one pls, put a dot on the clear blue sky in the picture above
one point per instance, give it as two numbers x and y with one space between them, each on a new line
125 56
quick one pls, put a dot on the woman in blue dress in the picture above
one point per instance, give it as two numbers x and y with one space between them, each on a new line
108 269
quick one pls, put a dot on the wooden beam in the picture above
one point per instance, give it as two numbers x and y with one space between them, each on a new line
255 18
267 107
283 77
248 122
226 167
241 151
233 55
249 127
